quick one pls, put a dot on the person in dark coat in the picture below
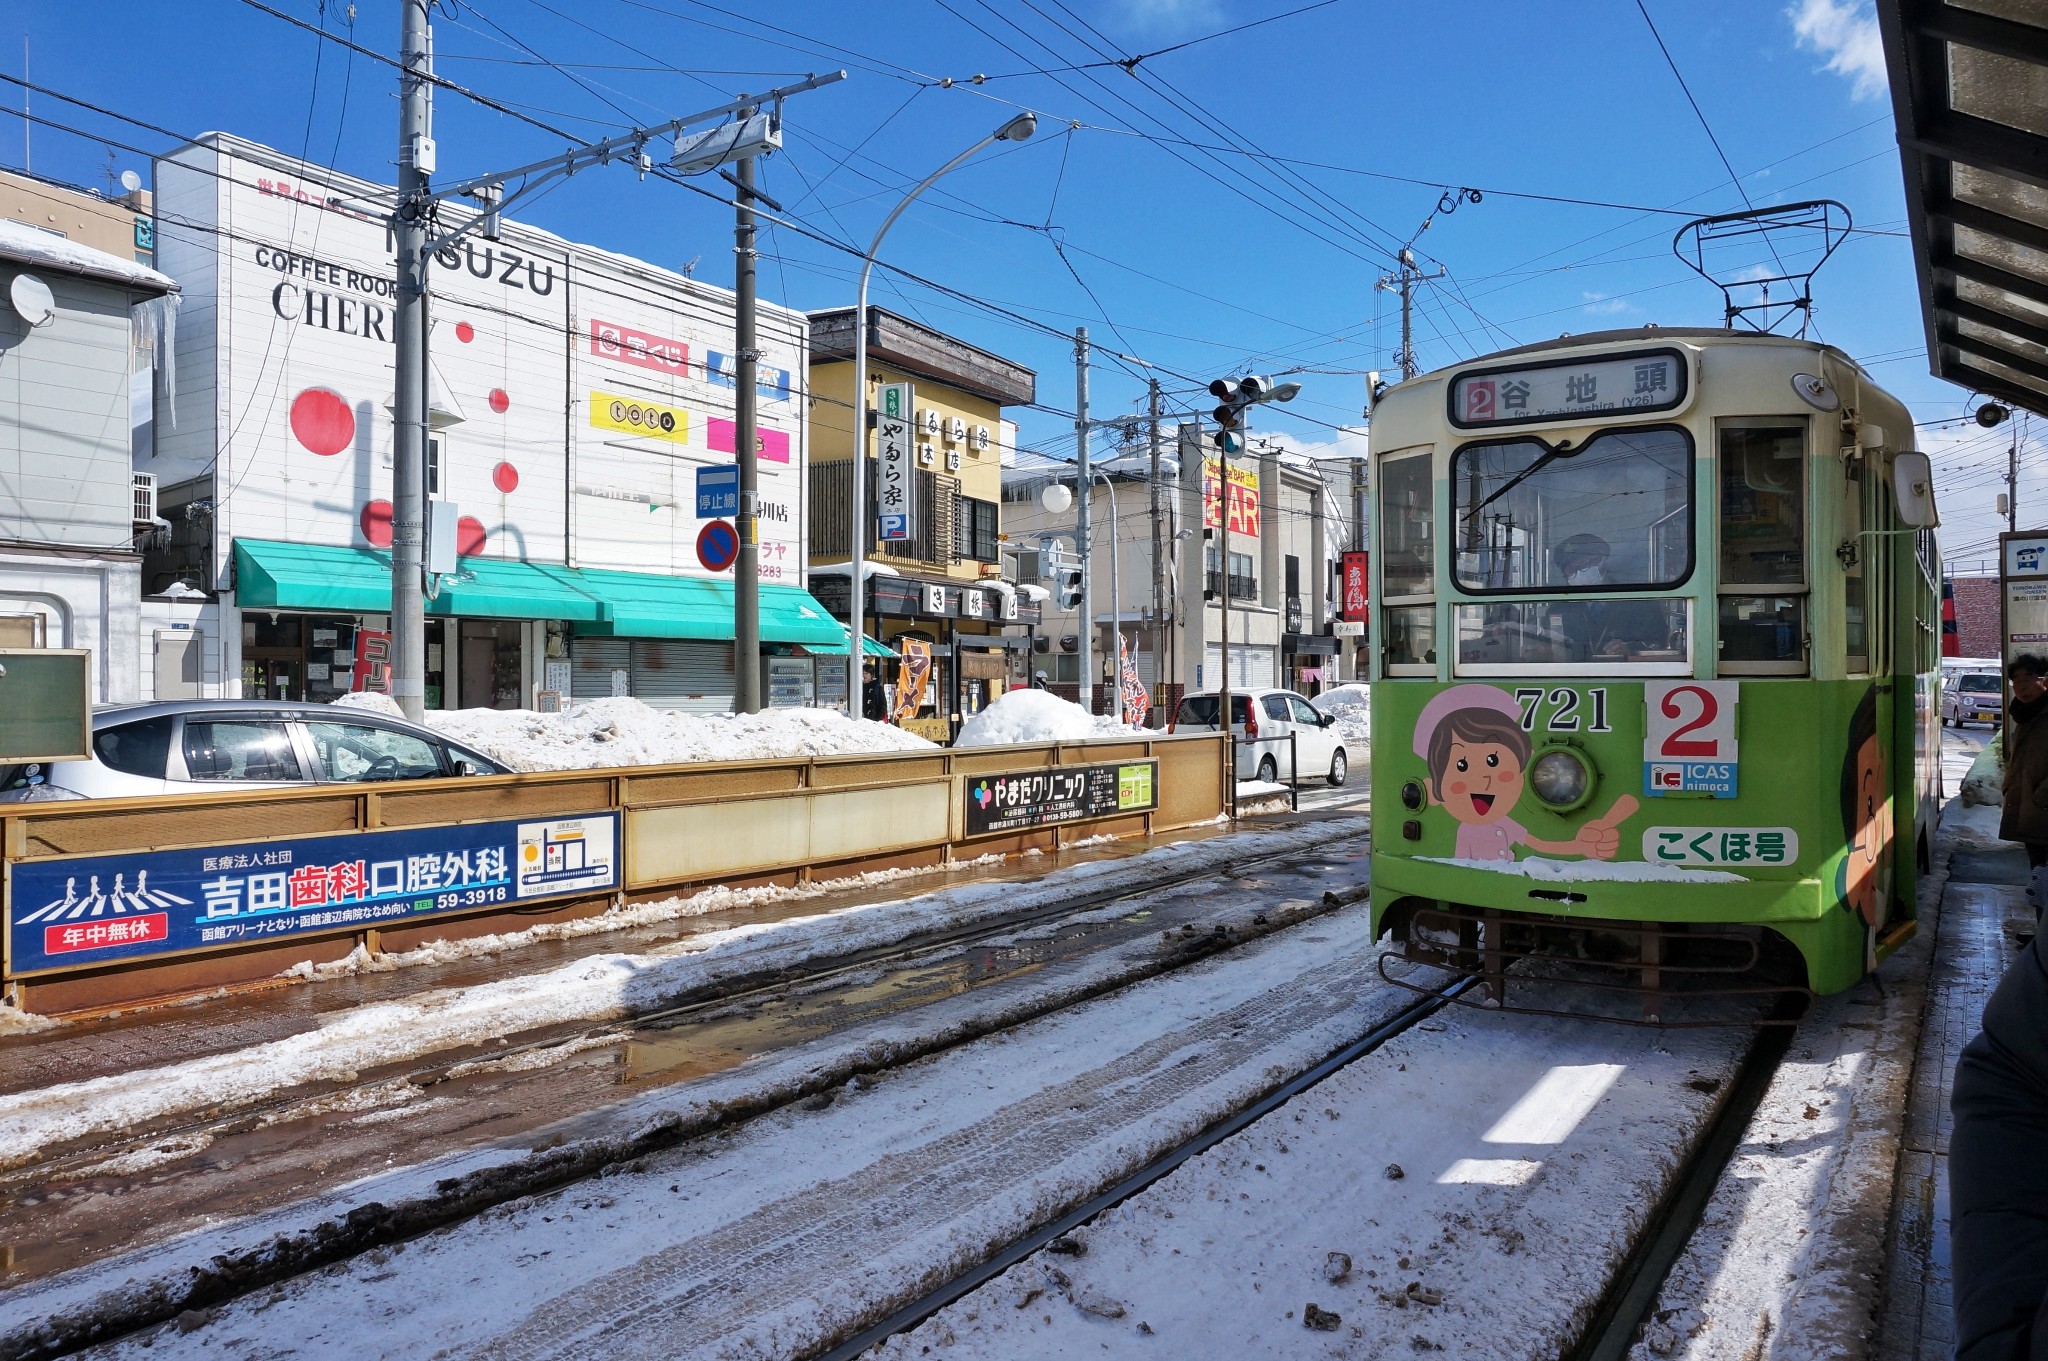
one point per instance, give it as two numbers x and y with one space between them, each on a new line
2025 818
874 698
1998 1180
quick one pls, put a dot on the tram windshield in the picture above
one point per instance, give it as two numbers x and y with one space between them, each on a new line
1614 513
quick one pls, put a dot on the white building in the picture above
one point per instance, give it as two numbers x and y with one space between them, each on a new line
1284 530
575 395
75 325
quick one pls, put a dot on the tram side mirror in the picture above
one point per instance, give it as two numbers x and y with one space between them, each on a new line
1913 489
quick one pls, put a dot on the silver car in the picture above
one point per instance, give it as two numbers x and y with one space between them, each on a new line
199 746
1972 697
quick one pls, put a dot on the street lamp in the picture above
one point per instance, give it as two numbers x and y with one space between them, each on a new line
1056 498
1018 129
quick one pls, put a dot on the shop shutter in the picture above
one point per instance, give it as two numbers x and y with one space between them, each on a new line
696 677
1251 667
591 663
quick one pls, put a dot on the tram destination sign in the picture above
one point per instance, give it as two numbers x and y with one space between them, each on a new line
1568 389
1039 798
83 911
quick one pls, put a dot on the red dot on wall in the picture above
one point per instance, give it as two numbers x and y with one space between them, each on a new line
465 332
322 421
376 523
505 477
499 401
469 536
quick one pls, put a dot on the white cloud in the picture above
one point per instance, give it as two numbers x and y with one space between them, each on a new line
1845 32
1173 17
1600 305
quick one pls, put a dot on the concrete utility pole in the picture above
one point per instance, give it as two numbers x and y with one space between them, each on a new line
1086 485
2012 484
409 401
1404 284
746 581
1158 549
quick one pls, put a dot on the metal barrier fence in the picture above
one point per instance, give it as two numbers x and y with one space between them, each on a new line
118 900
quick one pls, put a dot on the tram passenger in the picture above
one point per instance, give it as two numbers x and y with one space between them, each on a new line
2025 818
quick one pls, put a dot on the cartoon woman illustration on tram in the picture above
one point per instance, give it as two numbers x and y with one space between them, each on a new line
1471 737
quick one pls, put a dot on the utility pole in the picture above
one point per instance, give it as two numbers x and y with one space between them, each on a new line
1085 484
409 402
1158 549
2012 484
746 581
1404 284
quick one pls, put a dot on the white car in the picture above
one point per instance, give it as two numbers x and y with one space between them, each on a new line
200 746
1278 732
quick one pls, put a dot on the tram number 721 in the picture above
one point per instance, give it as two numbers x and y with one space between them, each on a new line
1564 708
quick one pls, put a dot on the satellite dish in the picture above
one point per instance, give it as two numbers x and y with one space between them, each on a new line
32 298
131 181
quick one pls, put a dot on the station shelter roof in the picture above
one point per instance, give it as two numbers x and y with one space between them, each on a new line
1970 95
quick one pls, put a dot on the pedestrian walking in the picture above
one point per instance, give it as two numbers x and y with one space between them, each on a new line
874 697
2025 817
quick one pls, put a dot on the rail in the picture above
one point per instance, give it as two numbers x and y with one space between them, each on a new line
118 900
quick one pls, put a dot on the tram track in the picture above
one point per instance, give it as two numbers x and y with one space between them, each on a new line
375 1224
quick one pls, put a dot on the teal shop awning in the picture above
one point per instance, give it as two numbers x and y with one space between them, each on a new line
596 603
297 576
642 605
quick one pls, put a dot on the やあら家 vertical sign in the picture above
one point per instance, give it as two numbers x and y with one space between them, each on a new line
896 488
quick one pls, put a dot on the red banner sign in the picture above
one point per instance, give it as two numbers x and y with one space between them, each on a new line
609 340
373 662
1357 587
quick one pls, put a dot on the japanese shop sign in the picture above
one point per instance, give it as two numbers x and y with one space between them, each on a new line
610 340
1650 380
90 910
896 487
1243 500
1721 845
1689 738
1038 798
633 416
1357 587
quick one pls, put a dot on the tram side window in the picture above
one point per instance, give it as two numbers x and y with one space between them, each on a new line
1763 546
1855 602
1406 511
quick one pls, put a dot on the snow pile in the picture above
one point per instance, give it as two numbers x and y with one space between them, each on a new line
1036 716
1985 784
1593 871
625 732
1351 706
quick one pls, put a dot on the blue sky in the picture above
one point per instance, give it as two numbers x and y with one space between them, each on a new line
1225 205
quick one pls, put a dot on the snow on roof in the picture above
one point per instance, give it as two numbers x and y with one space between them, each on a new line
25 245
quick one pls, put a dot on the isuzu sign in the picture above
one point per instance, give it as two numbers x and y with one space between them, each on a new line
1570 389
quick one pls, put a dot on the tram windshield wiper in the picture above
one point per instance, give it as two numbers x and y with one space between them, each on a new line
1550 456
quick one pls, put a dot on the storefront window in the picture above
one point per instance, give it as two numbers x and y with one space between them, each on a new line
490 670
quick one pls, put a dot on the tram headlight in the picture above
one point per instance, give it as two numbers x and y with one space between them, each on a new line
1561 778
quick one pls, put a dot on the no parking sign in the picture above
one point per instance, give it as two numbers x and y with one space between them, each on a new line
718 544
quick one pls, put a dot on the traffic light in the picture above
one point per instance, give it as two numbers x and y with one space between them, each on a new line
1229 416
1068 583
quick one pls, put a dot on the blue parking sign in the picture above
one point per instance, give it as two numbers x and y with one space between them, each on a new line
718 491
895 527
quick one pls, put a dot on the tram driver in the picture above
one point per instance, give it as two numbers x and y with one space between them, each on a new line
1607 629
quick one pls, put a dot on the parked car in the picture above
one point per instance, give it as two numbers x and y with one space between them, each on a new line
1972 697
208 745
1263 721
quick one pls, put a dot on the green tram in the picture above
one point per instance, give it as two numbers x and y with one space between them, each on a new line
1656 625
